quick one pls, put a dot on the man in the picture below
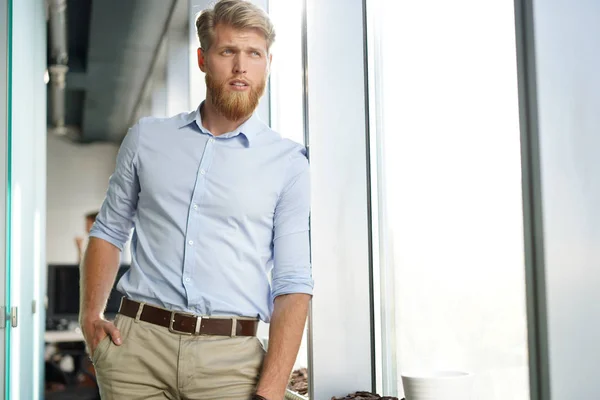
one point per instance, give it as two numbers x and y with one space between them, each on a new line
80 242
218 201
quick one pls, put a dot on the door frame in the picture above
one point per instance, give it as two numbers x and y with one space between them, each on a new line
5 55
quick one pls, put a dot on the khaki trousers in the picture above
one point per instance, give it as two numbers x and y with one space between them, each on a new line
153 363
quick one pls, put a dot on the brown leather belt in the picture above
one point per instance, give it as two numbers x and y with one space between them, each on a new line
188 324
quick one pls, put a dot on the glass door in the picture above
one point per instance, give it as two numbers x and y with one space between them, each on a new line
23 148
4 204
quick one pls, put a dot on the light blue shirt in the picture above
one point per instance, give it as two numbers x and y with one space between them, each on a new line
220 223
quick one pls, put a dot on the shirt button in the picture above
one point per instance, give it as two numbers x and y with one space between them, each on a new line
202 172
212 140
187 279
191 242
195 206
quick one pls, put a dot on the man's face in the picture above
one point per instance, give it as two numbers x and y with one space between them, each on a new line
236 68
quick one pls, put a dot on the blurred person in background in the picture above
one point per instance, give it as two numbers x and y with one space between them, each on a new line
81 242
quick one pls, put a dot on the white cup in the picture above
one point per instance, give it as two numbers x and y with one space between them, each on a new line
442 385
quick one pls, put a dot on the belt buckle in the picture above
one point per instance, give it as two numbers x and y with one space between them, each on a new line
173 330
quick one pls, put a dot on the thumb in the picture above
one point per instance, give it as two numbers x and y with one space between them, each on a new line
114 333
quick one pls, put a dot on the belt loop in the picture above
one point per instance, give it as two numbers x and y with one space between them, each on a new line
198 324
233 327
139 311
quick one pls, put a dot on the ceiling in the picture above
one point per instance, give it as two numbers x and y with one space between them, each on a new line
112 45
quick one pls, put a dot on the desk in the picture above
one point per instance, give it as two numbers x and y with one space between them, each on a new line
79 377
63 336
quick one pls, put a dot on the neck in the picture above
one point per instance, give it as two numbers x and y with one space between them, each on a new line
216 123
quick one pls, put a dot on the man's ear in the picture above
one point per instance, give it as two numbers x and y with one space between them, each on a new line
201 60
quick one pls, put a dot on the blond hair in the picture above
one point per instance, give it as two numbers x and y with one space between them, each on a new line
240 14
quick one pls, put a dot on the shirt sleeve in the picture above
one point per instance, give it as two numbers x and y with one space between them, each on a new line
115 219
291 244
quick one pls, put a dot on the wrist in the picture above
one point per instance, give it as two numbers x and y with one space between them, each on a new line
269 391
267 394
87 318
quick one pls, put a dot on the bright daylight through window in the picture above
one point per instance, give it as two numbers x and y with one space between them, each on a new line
287 93
444 87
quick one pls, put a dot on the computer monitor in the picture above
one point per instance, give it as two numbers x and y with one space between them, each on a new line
63 292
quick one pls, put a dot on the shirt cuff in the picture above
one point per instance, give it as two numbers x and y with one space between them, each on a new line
302 288
101 235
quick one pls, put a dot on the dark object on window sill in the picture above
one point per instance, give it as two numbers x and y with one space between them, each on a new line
364 396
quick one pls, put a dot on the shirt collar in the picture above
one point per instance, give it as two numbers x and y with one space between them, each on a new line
250 129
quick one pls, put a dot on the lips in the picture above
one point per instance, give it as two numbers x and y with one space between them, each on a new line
239 83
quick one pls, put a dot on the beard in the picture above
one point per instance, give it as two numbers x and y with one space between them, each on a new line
233 105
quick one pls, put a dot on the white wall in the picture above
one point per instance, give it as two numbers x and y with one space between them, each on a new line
77 178
567 61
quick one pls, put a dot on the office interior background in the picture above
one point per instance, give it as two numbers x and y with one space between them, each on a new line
455 179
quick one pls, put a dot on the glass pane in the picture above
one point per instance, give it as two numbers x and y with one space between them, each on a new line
452 235
27 191
287 74
287 114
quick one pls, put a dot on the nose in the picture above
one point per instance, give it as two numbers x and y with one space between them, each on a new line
240 64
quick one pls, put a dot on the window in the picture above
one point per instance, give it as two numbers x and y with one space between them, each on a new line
444 116
287 76
287 89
